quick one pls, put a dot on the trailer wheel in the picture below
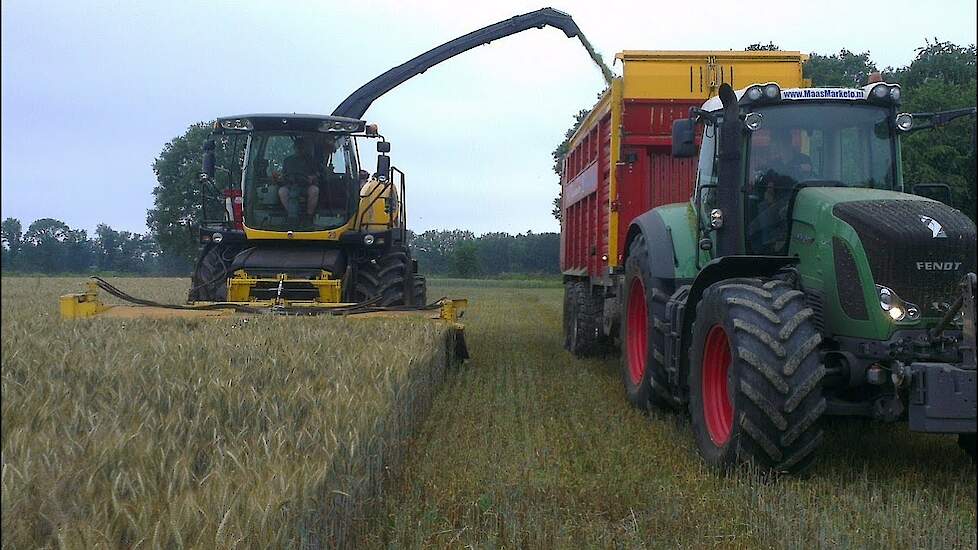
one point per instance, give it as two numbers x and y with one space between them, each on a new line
209 280
384 276
642 338
755 378
967 443
582 319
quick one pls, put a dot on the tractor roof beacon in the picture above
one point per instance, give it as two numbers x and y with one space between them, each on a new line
799 280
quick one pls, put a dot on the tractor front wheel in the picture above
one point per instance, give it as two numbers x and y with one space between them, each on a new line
755 378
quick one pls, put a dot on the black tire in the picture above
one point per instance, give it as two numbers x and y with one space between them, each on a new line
420 290
643 367
385 276
967 444
582 319
754 342
209 280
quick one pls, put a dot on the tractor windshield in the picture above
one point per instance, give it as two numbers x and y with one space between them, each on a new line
836 144
299 181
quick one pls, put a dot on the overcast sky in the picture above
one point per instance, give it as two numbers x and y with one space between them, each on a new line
93 90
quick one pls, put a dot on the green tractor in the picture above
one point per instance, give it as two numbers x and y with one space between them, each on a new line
801 280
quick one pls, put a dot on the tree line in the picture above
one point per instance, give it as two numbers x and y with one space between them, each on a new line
50 246
941 77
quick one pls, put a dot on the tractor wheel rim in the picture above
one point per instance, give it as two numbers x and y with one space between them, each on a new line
637 340
717 409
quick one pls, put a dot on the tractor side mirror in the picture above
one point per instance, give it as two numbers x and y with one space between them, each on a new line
937 191
383 147
383 167
208 162
684 138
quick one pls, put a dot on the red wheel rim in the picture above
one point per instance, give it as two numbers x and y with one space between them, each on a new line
717 408
637 341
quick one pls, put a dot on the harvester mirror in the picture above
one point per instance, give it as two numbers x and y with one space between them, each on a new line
383 147
937 191
684 138
208 163
383 166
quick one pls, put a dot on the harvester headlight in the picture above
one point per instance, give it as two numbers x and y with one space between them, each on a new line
754 93
904 122
368 240
753 121
772 91
217 238
341 125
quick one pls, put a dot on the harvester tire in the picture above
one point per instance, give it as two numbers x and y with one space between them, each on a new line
643 304
209 280
967 443
582 319
420 290
755 377
385 276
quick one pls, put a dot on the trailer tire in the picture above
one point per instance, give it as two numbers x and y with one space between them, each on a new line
755 377
384 276
209 280
582 319
642 331
967 443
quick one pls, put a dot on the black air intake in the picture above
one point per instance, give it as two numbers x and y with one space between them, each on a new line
920 249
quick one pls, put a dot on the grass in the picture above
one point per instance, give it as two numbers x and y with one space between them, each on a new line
267 433
218 433
526 446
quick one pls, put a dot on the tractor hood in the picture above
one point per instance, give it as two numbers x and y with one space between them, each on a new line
918 247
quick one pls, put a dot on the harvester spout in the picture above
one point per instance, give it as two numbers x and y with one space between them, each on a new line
359 101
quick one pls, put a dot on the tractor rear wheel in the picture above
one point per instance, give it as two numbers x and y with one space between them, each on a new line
642 331
213 268
385 276
755 378
582 319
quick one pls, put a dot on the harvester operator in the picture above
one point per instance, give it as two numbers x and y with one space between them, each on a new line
298 170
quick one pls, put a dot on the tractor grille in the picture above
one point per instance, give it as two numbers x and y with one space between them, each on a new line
847 281
920 249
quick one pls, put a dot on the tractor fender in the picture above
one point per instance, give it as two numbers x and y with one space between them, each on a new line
658 239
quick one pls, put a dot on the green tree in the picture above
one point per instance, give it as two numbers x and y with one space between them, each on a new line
842 69
465 259
12 234
760 47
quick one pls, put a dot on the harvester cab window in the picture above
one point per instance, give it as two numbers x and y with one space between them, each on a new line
299 181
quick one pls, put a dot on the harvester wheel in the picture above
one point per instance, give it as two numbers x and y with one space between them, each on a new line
643 304
385 277
420 290
209 280
582 319
755 378
967 442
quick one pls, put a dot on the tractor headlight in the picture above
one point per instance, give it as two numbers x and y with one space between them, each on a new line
772 91
880 91
895 307
217 238
895 93
368 240
754 93
237 124
904 122
753 121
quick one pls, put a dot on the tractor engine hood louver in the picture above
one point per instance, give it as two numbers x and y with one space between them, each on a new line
919 248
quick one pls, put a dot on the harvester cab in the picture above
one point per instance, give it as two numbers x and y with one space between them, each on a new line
289 211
